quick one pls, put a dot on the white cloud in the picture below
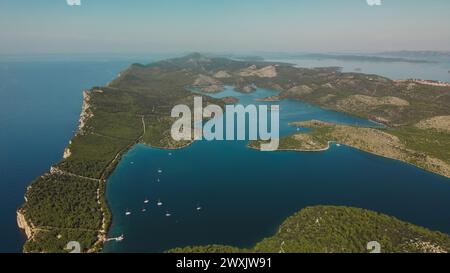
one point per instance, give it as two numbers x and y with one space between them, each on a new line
374 2
74 2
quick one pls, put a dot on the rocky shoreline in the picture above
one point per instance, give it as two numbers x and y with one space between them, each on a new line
23 225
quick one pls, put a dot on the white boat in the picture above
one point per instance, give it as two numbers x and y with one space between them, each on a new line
146 201
338 145
159 203
158 180
168 214
199 208
117 239
127 213
170 153
144 210
159 171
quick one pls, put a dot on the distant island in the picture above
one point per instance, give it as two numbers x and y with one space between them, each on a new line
68 202
417 54
366 58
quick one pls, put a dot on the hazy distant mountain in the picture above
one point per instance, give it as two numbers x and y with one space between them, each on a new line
417 54
358 57
368 57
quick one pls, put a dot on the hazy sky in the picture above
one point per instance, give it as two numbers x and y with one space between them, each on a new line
141 26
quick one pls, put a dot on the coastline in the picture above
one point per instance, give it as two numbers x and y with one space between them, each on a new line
23 221
318 150
29 229
357 148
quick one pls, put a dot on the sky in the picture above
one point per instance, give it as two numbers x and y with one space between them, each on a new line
141 26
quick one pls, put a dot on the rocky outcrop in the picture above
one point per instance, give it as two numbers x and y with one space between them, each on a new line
222 75
364 101
208 84
230 100
265 72
441 123
297 91
428 247
327 98
23 224
386 110
269 99
67 153
203 80
86 112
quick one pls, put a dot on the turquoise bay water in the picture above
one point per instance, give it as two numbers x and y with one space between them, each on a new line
245 194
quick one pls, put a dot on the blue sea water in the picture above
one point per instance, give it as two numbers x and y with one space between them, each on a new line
244 194
39 110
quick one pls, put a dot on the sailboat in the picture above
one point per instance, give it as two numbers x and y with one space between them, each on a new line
168 214
144 210
199 208
127 213
159 203
159 171
146 201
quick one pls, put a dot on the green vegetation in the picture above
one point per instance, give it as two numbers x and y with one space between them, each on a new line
62 208
430 142
325 229
56 240
91 154
64 202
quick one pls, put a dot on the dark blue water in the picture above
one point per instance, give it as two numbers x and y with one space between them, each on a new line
245 194
39 109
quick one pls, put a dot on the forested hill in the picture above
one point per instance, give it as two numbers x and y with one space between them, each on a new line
327 229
